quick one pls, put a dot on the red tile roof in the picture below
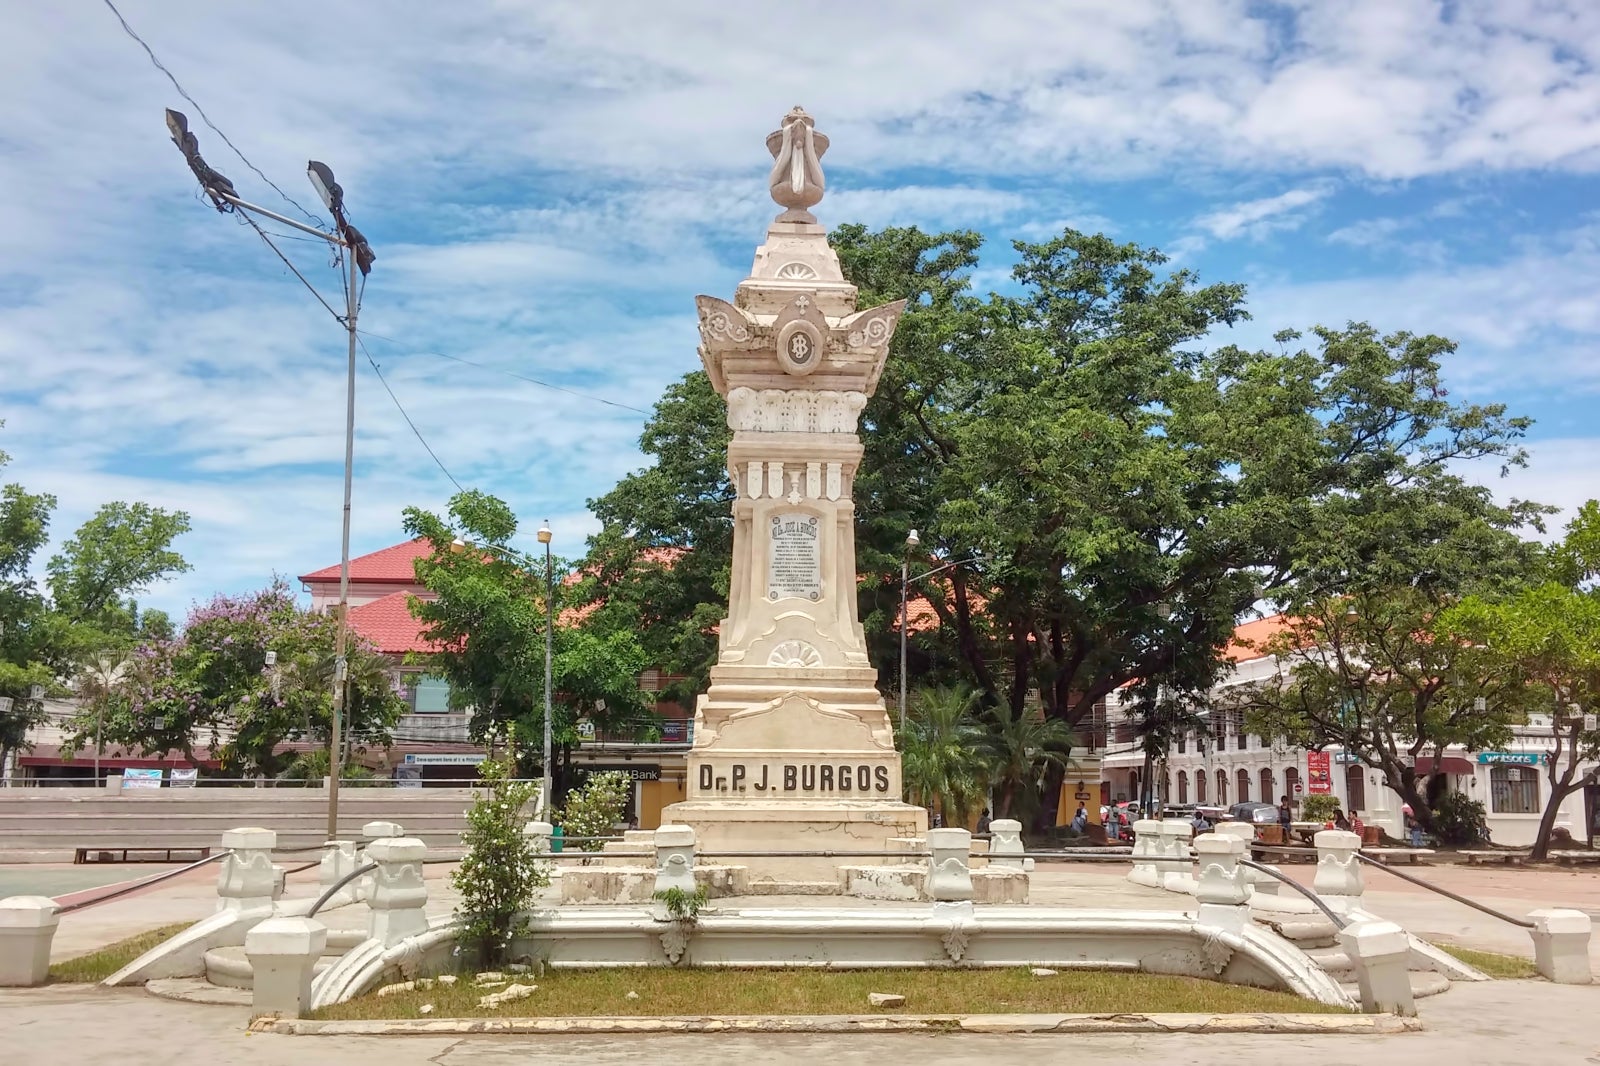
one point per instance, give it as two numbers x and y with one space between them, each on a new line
1249 640
392 565
389 624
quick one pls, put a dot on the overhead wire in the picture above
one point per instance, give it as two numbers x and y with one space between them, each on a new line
401 408
509 374
206 118
292 268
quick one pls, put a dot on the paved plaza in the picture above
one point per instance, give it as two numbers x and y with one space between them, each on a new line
1496 1022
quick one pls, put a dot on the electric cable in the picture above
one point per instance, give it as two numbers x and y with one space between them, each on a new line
401 408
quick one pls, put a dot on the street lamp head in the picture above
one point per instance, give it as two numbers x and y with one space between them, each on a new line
457 546
178 126
1164 609
328 189
544 532
912 540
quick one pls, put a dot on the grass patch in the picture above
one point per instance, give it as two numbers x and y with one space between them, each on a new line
98 965
697 992
1506 967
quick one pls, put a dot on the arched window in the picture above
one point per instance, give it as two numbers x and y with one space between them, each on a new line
1244 786
1183 786
1291 778
1355 786
1199 786
1222 788
1267 795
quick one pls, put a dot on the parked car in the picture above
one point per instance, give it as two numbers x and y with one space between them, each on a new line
1254 813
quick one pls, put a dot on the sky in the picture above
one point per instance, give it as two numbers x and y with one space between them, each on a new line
548 185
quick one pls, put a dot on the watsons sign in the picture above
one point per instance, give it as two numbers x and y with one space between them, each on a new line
851 778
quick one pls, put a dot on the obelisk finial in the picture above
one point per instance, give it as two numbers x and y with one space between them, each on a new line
797 182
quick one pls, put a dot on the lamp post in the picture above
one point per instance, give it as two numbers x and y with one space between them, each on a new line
549 654
360 257
912 540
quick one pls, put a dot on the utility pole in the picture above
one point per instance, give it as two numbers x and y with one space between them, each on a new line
359 257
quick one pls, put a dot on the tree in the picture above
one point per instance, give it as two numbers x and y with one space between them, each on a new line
212 689
944 756
487 623
1548 636
1129 493
500 874
1377 673
1023 747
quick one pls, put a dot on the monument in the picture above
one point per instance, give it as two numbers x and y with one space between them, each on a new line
793 748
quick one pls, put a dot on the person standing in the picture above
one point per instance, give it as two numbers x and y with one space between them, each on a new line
1413 827
984 821
1080 821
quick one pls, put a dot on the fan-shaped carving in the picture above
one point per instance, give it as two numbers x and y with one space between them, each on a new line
796 272
796 654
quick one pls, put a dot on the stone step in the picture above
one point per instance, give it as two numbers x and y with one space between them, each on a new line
1424 983
1333 960
1305 932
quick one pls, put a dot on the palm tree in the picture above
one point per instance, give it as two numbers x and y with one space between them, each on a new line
1022 748
944 762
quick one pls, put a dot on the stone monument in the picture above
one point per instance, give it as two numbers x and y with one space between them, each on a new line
793 749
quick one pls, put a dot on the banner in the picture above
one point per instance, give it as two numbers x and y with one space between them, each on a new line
1319 781
141 779
180 777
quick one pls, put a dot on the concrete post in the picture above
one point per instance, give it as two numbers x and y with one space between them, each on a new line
283 954
1149 842
1175 836
339 860
1338 878
1220 887
1258 881
949 876
1005 838
399 894
674 846
373 831
1561 946
113 784
248 880
27 926
539 835
1380 952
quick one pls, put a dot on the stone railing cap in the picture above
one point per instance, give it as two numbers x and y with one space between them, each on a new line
380 830
949 837
673 836
286 936
29 912
538 829
1560 920
248 837
396 849
1336 838
1008 825
1212 844
1370 939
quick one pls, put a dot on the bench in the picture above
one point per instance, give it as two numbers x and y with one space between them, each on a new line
1410 855
1572 858
1290 852
83 856
1478 858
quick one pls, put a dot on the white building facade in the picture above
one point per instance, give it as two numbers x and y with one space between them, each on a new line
1225 765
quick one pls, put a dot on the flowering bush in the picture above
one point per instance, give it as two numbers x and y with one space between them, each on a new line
596 808
501 874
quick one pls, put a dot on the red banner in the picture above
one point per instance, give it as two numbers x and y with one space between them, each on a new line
1319 779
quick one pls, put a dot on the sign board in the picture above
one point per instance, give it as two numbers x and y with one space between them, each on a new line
141 778
585 729
1346 757
1589 723
636 771
794 557
1318 774
1299 788
409 776
445 759
677 731
1514 758
1080 795
1513 773
180 777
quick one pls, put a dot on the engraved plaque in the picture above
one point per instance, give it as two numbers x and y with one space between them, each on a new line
794 557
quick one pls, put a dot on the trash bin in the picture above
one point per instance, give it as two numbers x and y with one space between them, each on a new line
555 838
1270 833
1371 835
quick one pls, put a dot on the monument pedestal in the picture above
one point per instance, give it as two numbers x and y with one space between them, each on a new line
843 825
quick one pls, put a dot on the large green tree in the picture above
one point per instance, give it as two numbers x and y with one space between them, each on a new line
1128 487
487 619
1547 636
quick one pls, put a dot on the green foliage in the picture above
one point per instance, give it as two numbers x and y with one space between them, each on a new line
308 768
1318 808
124 547
213 686
683 907
1460 822
594 808
1372 671
944 752
1022 748
501 874
488 621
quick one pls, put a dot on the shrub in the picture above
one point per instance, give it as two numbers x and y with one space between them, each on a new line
594 809
1459 821
1319 808
501 873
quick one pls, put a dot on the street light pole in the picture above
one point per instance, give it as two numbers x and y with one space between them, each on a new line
549 653
912 540
359 256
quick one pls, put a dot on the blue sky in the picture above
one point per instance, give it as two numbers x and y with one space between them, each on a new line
549 185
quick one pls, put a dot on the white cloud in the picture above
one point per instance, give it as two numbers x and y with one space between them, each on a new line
1256 218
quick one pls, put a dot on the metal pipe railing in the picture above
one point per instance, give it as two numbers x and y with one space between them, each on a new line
1316 900
1445 892
153 879
337 885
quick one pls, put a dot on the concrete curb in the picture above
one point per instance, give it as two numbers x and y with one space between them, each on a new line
1232 1024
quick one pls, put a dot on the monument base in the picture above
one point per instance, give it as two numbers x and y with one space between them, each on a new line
840 826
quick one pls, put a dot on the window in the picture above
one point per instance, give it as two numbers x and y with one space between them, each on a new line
1183 742
1513 790
1244 786
1222 788
427 695
1355 786
1199 786
1266 785
1291 778
1183 786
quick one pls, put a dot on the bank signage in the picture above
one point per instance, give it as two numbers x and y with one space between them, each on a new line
1513 758
444 759
858 779
635 771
